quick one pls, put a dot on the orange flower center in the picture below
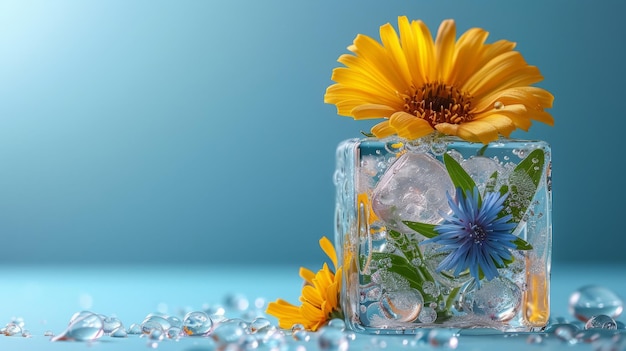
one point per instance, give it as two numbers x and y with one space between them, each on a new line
439 103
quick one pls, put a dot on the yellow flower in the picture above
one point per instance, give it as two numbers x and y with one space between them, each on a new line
320 296
463 87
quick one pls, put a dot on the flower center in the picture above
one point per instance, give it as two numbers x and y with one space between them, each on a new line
439 103
478 233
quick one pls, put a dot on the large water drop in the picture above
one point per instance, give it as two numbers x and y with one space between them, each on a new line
593 300
83 326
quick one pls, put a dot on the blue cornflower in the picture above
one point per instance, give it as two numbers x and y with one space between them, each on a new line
474 234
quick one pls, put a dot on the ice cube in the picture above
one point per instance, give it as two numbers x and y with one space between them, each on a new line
412 189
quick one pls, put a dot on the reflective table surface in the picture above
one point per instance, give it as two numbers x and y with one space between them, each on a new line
43 299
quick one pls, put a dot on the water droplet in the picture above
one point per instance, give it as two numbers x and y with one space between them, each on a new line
228 331
83 326
443 338
534 339
402 305
174 333
197 323
110 323
119 333
566 333
134 329
12 329
337 323
498 105
156 335
601 321
332 339
593 300
498 299
301 335
260 324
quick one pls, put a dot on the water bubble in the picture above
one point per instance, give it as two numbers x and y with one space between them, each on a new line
156 335
337 323
443 338
260 324
498 105
12 329
301 335
332 339
110 323
601 321
228 331
566 333
593 300
174 333
134 329
83 326
498 299
402 305
197 323
119 333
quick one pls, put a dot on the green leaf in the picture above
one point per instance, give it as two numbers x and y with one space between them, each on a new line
427 230
522 244
491 182
523 183
459 177
532 165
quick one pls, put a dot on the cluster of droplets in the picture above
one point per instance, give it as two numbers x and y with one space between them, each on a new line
235 325
240 325
15 327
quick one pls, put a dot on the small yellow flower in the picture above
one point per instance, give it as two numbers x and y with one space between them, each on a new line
320 296
463 87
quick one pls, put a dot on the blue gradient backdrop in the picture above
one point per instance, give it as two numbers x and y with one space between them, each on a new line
195 131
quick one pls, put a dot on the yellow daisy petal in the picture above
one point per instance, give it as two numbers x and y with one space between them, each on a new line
419 84
329 250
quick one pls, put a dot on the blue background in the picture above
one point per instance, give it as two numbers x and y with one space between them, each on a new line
195 131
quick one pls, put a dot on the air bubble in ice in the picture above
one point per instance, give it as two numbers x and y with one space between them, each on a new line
498 299
428 315
402 305
401 193
593 300
481 169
